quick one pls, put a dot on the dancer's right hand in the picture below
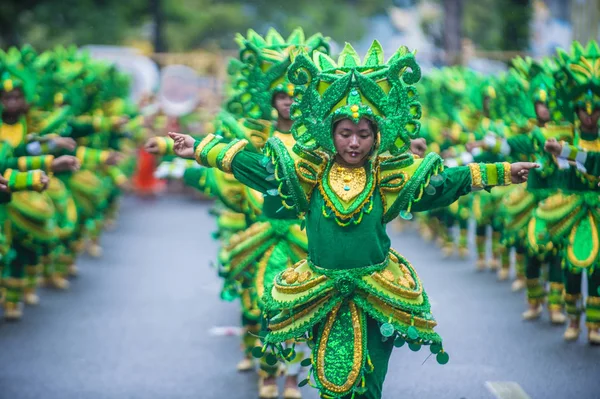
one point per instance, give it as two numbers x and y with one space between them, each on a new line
151 146
65 163
184 145
553 147
3 184
45 180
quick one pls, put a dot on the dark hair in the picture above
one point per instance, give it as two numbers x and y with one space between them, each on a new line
372 125
275 95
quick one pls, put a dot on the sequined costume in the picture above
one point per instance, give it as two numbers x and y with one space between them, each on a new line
342 300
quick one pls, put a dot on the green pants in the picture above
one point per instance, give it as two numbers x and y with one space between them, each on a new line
536 291
573 295
16 276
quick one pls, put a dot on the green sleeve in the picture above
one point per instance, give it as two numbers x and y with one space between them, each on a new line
248 169
592 163
522 144
4 198
21 150
80 127
455 182
192 176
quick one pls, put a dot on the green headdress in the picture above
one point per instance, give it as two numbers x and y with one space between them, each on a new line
578 78
537 80
14 75
263 71
373 89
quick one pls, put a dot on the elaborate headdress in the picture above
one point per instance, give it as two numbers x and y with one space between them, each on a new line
13 74
263 70
350 88
537 79
578 78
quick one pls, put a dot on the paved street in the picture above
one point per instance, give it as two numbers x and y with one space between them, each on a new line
137 324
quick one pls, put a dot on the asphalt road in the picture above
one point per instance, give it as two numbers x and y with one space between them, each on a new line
139 323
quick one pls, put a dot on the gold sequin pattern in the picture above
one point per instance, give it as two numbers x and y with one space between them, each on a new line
347 183
477 182
231 153
507 174
299 315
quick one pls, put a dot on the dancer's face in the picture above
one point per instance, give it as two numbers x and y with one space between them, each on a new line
353 141
282 103
542 112
13 102
588 122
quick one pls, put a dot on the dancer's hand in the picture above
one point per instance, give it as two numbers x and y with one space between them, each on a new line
65 143
473 144
65 163
114 158
45 180
120 121
184 145
3 184
151 146
418 147
553 147
519 171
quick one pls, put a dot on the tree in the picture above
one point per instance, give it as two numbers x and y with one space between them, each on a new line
184 24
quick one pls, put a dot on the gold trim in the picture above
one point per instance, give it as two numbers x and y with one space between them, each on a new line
230 154
34 269
572 297
299 315
356 356
48 162
592 325
400 315
507 173
12 282
557 286
476 180
22 164
201 146
104 156
260 272
300 288
381 278
593 300
247 302
594 253
162 145
359 209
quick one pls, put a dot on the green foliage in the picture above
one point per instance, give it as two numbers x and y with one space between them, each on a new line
188 24
498 24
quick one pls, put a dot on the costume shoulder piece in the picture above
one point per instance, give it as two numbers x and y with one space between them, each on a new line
402 181
296 171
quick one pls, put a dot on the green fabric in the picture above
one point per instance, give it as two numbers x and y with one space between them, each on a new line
592 163
379 352
332 246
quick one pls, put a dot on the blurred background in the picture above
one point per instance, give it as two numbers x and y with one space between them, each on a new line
483 34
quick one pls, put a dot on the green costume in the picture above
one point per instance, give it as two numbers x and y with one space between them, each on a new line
345 301
568 220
